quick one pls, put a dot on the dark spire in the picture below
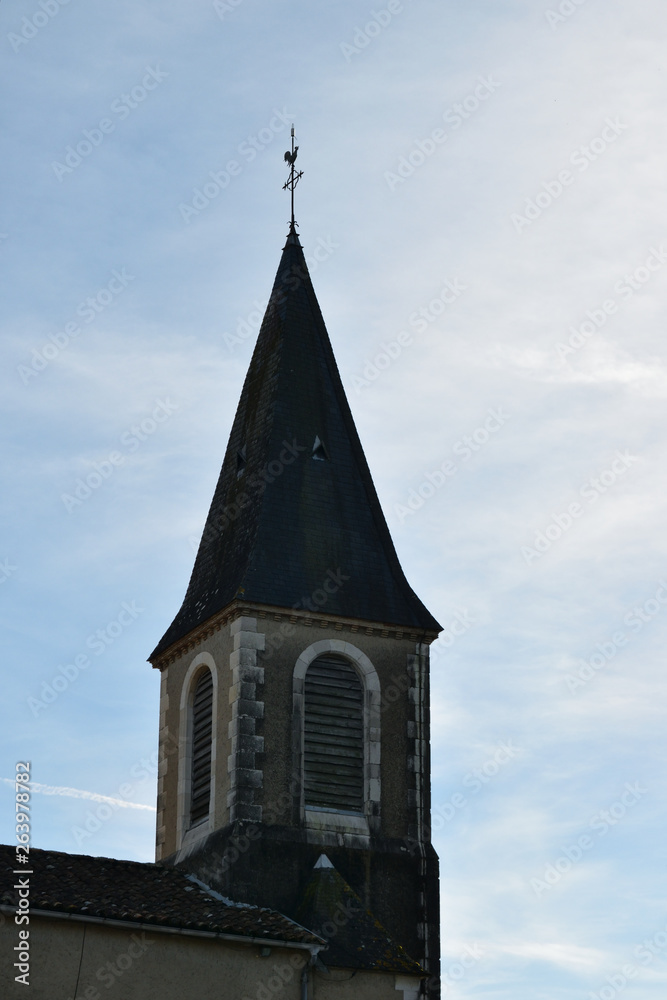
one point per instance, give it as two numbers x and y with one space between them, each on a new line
295 520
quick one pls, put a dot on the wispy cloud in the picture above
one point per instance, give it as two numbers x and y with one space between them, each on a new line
79 793
567 956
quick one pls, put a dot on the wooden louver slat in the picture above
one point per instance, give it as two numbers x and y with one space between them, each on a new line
333 736
202 730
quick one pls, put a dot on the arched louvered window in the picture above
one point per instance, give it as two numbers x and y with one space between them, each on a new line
202 731
333 736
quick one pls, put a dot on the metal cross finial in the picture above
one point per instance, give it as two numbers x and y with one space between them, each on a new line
294 176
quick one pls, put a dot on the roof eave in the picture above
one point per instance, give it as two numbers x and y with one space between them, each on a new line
159 658
314 948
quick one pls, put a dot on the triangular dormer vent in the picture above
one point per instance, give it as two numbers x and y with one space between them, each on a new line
240 461
319 451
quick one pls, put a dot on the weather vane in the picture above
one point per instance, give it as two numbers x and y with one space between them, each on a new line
294 176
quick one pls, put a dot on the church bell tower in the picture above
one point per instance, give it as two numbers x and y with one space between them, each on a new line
294 705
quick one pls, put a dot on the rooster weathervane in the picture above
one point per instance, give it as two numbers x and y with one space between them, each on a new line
294 175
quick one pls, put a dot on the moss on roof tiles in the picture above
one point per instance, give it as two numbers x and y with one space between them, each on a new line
140 893
355 938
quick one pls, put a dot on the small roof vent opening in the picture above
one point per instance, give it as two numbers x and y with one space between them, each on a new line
320 453
240 461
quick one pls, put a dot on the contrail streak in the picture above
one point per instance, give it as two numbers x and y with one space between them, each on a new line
79 793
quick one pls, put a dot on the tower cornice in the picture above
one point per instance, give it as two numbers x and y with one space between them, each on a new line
293 616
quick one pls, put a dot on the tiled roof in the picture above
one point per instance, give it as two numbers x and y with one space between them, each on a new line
283 522
355 938
138 892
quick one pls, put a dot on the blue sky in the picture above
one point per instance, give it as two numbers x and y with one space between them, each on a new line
483 205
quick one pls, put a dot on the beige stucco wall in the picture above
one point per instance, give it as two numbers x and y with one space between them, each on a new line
138 965
125 964
348 984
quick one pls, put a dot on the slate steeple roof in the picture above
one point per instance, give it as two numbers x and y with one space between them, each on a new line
295 514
